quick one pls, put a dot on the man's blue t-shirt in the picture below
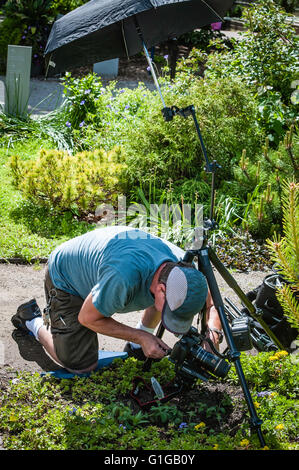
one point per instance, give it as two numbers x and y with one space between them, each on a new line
117 264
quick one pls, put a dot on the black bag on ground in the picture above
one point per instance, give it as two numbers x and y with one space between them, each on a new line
264 298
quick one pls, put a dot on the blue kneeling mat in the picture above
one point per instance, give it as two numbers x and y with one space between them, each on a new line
105 359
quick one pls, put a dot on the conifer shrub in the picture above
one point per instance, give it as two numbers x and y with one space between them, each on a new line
259 181
285 253
65 182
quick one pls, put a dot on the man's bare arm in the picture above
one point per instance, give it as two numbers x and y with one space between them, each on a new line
212 320
91 318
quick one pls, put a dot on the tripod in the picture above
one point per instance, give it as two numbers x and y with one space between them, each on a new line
206 257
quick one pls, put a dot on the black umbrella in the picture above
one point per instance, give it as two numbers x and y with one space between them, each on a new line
107 29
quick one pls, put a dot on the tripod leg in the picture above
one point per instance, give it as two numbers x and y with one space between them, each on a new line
206 268
242 296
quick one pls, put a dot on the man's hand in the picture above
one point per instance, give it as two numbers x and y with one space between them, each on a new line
153 346
91 318
214 337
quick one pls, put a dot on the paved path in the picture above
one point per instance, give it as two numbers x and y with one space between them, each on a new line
47 95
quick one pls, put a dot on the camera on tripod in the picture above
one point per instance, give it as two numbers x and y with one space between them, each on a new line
193 362
241 332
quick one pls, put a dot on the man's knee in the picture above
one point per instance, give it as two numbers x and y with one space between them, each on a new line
83 371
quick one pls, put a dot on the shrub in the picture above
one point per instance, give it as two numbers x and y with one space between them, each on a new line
65 182
85 100
285 252
265 58
31 19
158 150
102 115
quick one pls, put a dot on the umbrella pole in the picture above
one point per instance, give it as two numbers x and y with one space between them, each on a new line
149 60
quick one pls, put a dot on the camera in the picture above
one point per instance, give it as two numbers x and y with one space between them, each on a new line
193 362
241 332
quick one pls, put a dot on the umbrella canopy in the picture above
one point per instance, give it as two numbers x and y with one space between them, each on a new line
106 29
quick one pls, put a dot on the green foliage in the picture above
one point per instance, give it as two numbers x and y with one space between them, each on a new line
33 19
202 38
288 5
246 92
285 253
265 58
270 371
259 179
29 232
64 182
29 11
157 150
10 33
101 116
85 100
62 7
96 413
16 130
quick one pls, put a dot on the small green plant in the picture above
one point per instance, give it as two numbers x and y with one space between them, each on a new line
164 413
260 179
14 130
85 100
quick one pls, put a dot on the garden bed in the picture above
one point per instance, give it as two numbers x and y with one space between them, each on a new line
98 413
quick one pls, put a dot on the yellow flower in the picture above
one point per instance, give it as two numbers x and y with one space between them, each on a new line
13 418
244 443
265 448
279 427
256 404
281 354
278 355
273 394
199 426
216 446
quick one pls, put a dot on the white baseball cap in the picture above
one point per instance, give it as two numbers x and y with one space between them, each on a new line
186 293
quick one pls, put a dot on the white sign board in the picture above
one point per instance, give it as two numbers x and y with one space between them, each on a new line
17 86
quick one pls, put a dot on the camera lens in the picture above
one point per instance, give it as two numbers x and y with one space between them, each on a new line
210 362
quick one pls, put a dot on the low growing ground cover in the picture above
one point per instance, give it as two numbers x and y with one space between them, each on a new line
98 412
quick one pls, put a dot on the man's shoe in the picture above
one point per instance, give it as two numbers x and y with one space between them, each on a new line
25 312
134 352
